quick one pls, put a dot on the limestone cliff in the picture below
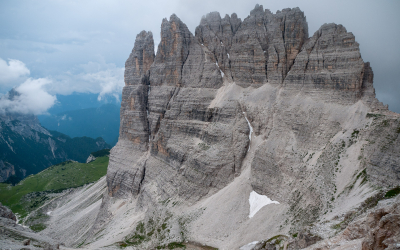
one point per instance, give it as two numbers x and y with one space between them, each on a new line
241 106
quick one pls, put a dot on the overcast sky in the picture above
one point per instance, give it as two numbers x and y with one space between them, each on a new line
63 46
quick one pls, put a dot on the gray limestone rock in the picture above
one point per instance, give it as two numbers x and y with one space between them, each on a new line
5 212
172 53
140 59
319 134
15 236
261 48
166 104
90 158
6 170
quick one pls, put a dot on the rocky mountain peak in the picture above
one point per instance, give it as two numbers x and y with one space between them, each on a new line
177 84
258 9
12 94
248 107
7 115
140 60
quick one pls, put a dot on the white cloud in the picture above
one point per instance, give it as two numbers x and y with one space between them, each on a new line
32 98
93 77
108 81
12 73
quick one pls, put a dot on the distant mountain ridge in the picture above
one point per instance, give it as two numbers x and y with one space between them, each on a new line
102 122
76 101
27 148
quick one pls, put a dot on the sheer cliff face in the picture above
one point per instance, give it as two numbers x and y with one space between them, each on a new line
187 113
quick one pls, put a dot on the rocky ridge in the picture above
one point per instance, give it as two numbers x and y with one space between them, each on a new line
242 106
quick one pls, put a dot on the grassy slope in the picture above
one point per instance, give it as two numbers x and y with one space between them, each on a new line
55 178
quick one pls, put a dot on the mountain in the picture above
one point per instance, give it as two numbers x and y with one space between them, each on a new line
250 134
76 101
102 122
28 148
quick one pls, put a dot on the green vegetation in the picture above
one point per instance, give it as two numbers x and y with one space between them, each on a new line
203 146
393 192
364 178
398 130
355 133
385 123
38 227
337 226
81 244
79 148
173 245
353 137
13 180
100 153
369 115
363 175
277 239
371 201
138 237
32 192
32 153
182 245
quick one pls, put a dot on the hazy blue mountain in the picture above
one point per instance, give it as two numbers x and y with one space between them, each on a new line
27 148
79 101
102 122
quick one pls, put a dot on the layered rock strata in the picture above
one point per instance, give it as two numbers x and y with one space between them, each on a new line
256 103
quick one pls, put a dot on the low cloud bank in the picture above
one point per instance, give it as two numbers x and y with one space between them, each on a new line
94 77
12 73
28 95
36 96
31 98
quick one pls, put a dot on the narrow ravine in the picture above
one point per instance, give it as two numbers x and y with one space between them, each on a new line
251 129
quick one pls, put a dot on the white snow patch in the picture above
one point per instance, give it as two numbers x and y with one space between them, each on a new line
228 55
249 246
222 73
257 201
49 212
202 44
251 128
